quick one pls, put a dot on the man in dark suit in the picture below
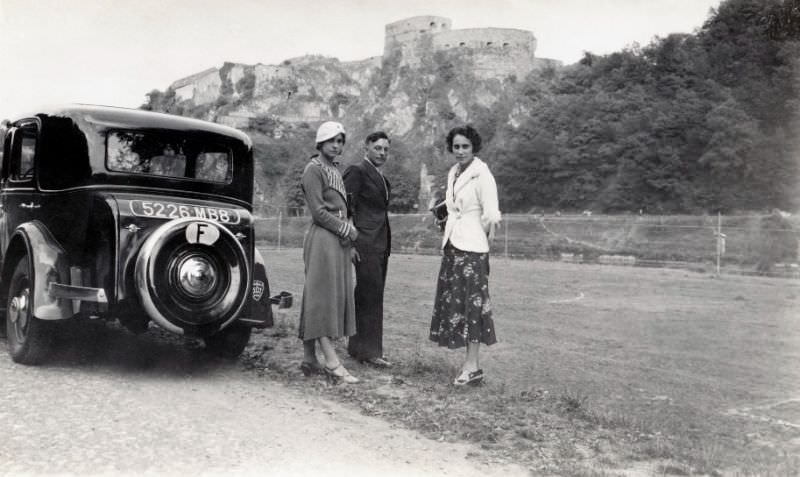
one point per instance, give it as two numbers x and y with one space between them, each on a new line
368 192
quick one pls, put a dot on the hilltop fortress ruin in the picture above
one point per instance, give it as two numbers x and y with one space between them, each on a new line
316 85
497 52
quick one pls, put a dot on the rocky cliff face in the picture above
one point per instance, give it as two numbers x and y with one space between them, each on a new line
415 102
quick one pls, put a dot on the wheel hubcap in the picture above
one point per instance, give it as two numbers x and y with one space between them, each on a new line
18 313
197 276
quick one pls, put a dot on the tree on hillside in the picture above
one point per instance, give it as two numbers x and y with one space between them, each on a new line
688 123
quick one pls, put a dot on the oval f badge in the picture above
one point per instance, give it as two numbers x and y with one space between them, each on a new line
202 232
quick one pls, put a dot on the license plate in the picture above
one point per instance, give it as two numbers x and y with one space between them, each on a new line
174 210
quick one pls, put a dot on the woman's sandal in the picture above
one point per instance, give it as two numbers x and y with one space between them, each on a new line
474 378
309 368
339 373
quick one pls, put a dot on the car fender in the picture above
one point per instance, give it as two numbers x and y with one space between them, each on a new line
48 264
260 304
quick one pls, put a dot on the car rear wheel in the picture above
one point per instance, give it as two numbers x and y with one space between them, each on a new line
29 338
230 342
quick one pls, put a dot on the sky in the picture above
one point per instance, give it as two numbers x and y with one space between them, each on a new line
114 52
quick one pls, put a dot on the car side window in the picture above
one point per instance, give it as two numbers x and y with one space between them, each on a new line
23 153
213 166
3 132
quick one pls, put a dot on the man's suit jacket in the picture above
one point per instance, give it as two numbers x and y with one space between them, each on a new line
369 193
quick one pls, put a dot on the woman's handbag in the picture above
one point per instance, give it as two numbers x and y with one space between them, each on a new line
440 214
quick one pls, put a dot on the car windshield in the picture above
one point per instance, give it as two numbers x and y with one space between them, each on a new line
167 155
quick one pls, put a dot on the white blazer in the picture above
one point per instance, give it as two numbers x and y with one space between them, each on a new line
471 207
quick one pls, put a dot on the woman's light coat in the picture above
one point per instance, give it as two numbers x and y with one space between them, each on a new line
471 207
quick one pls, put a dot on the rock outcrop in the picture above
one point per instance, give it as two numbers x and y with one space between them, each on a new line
429 78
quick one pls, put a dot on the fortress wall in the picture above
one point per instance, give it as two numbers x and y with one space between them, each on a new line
496 52
207 88
185 92
266 73
487 38
185 87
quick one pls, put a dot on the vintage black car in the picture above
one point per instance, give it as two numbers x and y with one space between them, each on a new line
129 215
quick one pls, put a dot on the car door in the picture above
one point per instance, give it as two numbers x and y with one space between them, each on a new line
5 155
18 198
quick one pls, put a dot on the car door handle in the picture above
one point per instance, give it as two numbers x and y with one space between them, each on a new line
29 206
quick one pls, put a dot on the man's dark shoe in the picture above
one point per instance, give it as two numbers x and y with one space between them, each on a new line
309 369
378 362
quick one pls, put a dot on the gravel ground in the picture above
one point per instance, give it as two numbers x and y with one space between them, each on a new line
143 405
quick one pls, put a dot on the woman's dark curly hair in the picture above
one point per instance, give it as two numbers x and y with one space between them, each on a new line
468 132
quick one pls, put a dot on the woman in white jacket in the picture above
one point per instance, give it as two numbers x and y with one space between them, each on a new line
462 312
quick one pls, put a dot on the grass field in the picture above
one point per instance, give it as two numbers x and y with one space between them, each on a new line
754 243
599 370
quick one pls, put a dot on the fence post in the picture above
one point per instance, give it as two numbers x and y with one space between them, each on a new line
505 238
280 214
720 242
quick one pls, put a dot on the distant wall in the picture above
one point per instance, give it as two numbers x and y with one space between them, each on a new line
487 38
497 52
207 88
187 88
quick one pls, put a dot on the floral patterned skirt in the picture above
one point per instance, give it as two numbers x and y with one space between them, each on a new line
462 311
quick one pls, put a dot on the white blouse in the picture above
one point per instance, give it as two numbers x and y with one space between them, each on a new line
471 207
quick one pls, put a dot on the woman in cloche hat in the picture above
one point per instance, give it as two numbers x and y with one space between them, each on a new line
327 311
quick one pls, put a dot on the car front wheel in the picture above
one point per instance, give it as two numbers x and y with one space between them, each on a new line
29 338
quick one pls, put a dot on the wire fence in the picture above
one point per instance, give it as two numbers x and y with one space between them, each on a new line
737 244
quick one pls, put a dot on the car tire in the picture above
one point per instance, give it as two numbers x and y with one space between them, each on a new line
230 342
156 272
29 338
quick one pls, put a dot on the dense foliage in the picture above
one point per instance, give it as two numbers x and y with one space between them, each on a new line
690 123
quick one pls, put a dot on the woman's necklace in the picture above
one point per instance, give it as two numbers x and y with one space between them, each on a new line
460 169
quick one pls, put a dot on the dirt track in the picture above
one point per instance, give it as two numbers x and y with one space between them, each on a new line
136 405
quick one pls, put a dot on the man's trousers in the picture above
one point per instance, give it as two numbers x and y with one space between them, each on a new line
367 343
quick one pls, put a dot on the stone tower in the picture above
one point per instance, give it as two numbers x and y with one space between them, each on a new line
496 52
412 37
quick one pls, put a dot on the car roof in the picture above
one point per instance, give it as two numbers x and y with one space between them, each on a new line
77 143
127 118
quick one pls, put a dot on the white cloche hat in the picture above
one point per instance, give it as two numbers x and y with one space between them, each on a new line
328 130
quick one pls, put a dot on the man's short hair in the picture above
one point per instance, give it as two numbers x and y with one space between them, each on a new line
376 136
